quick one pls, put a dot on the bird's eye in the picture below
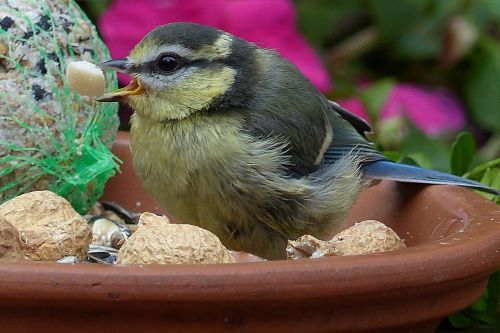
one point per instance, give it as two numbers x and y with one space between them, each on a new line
168 63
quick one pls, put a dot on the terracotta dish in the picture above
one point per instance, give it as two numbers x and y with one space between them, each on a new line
453 238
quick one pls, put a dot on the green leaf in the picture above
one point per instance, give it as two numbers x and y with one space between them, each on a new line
423 43
408 160
320 20
463 151
491 177
495 183
94 8
484 312
493 301
435 150
413 30
405 159
420 159
394 156
459 320
482 89
374 97
394 18
481 304
478 171
483 12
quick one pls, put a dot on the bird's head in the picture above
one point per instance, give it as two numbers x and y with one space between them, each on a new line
180 69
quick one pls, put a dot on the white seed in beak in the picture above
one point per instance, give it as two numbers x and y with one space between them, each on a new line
85 78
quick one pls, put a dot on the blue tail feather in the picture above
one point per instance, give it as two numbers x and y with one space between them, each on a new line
384 169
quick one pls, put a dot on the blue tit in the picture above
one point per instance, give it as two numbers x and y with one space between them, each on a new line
233 138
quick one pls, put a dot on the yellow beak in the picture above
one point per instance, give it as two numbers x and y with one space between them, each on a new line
133 88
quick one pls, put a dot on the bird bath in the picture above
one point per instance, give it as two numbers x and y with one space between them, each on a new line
453 239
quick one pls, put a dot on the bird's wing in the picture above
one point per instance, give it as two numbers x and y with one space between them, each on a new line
361 125
384 169
315 133
302 125
307 133
349 136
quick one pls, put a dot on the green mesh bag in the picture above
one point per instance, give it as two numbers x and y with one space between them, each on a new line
51 138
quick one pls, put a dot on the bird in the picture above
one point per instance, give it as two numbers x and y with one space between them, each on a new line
233 138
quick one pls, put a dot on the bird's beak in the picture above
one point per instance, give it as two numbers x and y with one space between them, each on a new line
133 88
119 65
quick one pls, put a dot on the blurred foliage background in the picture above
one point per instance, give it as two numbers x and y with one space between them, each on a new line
370 47
446 43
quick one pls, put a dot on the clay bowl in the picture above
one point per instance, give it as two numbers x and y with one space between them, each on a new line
453 238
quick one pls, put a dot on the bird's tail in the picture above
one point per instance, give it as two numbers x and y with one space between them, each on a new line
384 169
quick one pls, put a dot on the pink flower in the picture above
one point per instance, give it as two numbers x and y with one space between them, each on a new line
355 106
269 24
433 111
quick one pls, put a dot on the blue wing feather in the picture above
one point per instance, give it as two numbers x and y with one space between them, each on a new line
384 169
349 138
